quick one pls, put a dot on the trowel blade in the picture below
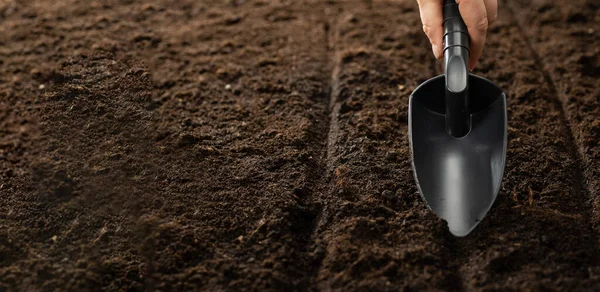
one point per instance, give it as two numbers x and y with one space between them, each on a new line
459 178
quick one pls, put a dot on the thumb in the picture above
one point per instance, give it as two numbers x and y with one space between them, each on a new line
432 19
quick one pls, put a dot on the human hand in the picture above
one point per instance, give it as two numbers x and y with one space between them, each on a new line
477 15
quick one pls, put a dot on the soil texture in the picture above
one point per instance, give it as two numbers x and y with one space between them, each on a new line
251 145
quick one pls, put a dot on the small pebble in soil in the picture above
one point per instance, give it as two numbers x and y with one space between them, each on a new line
233 20
42 86
387 194
228 86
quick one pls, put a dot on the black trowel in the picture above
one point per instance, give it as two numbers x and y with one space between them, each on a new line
458 131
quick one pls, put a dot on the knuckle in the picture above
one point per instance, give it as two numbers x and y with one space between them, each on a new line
482 22
426 29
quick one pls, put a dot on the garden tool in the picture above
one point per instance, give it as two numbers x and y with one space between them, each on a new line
457 127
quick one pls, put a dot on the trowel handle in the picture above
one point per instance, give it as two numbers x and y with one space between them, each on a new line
456 58
455 30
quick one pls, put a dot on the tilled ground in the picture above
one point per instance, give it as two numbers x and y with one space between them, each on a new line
262 145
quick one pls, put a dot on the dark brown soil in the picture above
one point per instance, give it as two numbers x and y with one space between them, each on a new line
262 145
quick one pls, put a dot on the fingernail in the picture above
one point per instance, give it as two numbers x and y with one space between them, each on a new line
436 51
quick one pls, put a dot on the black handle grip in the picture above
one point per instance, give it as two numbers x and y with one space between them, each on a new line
456 58
455 30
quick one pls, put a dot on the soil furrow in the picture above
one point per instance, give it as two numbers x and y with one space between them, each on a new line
573 70
537 235
334 107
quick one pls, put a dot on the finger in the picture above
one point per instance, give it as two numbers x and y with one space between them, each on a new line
432 19
491 6
475 16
